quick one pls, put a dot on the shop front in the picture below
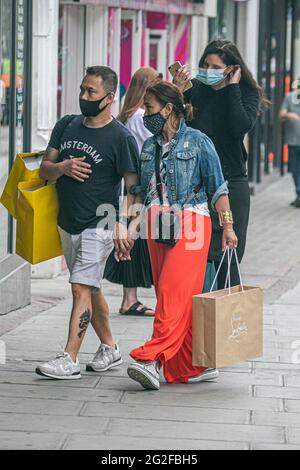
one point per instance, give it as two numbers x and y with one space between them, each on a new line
15 130
125 36
278 68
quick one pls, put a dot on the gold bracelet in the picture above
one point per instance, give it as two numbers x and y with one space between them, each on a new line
226 218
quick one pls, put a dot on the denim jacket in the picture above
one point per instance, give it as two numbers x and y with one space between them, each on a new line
192 160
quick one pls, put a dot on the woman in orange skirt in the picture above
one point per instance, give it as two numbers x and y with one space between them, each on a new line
180 171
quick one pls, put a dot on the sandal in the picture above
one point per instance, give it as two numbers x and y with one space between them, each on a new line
136 311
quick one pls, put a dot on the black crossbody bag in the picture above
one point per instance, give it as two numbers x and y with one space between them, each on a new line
168 224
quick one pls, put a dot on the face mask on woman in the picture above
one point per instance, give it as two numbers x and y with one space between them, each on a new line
155 123
211 77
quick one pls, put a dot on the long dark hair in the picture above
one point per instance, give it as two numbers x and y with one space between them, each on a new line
165 92
230 55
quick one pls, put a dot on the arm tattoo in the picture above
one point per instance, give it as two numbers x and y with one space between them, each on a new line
84 322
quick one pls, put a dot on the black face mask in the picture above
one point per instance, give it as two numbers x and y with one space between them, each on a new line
154 123
92 108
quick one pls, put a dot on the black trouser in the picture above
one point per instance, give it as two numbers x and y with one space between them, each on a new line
294 166
222 276
239 196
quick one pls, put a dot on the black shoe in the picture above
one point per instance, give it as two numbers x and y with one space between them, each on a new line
294 202
297 203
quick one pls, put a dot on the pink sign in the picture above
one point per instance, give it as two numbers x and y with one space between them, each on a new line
126 53
157 20
182 38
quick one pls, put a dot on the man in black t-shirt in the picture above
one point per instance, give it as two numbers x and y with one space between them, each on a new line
88 156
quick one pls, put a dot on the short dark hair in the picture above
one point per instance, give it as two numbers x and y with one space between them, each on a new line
109 77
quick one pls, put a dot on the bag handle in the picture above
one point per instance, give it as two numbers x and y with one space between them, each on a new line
239 270
229 254
228 277
216 276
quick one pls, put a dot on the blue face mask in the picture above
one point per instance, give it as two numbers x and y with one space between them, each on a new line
211 77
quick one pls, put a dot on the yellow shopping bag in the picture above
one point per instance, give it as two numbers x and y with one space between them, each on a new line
25 168
37 234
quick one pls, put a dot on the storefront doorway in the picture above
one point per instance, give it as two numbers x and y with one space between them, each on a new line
278 67
15 137
122 39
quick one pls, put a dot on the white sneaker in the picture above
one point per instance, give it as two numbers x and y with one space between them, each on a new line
62 368
146 374
209 374
105 358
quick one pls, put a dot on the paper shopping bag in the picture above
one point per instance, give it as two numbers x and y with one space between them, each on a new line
25 168
37 210
227 326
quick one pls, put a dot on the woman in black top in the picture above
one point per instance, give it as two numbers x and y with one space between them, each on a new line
226 102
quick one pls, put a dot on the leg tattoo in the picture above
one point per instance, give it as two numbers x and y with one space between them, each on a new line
84 323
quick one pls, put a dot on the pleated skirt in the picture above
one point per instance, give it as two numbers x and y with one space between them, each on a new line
134 273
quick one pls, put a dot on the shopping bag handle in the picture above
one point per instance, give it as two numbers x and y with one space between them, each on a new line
229 254
228 277
239 269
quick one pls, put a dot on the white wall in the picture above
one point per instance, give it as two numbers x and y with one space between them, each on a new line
44 91
116 54
137 19
210 9
96 36
73 57
199 40
45 70
252 35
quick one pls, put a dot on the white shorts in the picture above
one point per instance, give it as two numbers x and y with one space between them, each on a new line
86 255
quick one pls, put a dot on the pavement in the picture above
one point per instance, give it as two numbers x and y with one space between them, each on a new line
254 406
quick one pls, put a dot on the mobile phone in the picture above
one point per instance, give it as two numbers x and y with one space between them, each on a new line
173 69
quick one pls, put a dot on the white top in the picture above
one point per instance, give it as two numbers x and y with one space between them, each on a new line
201 209
135 125
152 185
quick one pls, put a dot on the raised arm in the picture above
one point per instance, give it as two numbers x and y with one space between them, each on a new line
243 110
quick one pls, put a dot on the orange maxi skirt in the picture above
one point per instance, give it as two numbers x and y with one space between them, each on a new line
178 274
